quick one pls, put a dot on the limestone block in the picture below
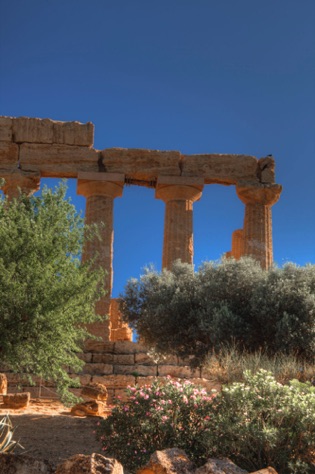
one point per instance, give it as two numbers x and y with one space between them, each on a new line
221 169
89 408
98 369
94 390
89 464
86 356
33 130
5 129
125 347
142 381
3 384
144 370
73 133
91 345
140 164
218 466
115 381
124 359
103 358
177 371
144 359
123 333
168 461
63 161
23 464
16 400
9 154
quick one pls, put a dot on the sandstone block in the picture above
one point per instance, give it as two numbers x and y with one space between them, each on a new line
16 400
98 369
123 333
91 345
33 130
103 358
90 464
86 356
3 384
168 461
141 165
142 381
125 347
89 408
73 133
9 155
144 359
124 359
220 466
95 391
220 169
23 464
5 129
137 370
63 161
175 371
115 381
85 379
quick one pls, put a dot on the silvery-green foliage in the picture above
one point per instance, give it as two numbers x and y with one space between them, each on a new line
191 313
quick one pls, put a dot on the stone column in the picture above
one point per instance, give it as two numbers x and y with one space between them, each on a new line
179 194
20 182
257 231
237 244
100 189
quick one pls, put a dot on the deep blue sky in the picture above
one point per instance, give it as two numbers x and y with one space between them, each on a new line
198 76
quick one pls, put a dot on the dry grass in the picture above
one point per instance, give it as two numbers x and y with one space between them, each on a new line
229 364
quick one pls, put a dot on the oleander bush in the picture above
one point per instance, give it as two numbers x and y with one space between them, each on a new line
163 415
256 423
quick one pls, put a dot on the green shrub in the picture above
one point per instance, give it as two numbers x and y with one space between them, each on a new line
262 423
155 417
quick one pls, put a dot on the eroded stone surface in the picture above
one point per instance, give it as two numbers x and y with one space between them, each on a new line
89 408
3 384
93 464
95 391
16 400
220 466
168 461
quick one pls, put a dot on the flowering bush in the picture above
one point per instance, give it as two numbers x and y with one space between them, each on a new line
163 415
262 423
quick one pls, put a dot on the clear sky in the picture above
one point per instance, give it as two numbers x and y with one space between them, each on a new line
198 76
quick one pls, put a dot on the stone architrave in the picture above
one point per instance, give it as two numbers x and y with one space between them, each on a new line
20 182
257 230
179 194
100 189
237 244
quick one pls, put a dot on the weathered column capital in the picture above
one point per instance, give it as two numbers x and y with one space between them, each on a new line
101 184
172 188
264 194
21 182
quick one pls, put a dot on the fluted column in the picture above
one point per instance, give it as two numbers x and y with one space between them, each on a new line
237 244
257 230
100 189
20 182
179 194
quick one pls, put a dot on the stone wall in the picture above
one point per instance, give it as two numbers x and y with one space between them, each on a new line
117 365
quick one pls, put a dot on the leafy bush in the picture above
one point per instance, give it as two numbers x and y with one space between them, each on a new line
191 313
262 423
256 423
156 417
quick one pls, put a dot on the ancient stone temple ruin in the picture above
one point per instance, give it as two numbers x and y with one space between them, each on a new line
32 148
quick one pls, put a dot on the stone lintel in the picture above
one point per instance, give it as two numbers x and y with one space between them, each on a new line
114 177
36 130
181 180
